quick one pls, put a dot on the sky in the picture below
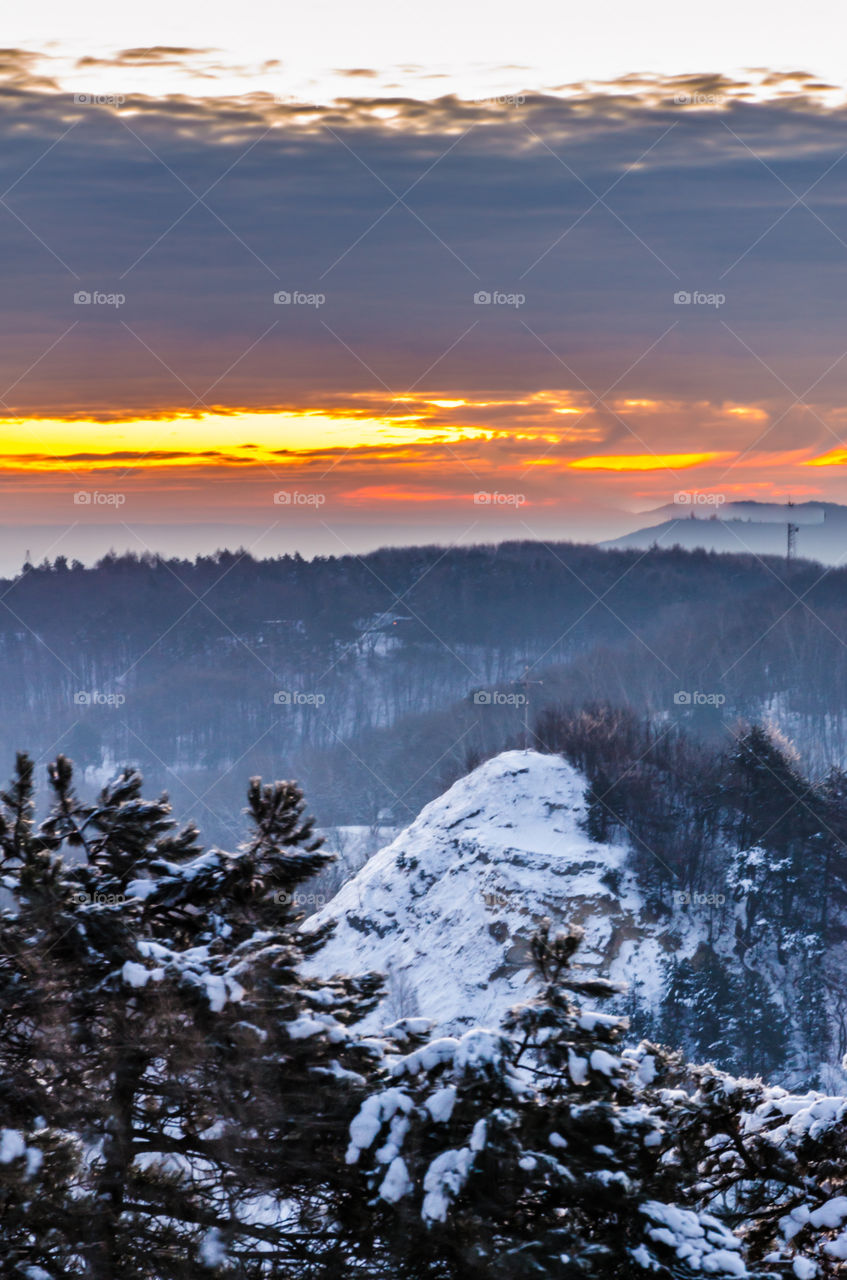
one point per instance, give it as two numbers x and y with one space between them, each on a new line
327 277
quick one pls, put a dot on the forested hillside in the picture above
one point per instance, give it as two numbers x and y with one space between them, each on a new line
713 884
359 675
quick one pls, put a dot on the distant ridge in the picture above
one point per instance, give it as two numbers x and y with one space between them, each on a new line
746 528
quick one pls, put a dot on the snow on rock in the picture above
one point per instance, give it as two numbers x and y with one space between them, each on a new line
447 910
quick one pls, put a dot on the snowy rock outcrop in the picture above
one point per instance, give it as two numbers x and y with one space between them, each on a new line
447 910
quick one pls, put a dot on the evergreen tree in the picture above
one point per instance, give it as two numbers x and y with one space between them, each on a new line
773 807
184 1084
699 1010
538 1151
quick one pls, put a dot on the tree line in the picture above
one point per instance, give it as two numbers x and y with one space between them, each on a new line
175 665
743 839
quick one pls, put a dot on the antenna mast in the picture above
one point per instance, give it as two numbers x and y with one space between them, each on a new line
791 542
525 683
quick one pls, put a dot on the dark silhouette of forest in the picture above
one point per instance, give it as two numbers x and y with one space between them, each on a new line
358 674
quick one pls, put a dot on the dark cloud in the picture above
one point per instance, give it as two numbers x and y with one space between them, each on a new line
596 206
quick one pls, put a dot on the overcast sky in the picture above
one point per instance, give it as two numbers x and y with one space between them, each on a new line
289 228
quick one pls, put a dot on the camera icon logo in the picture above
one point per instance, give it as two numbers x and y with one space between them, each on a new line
283 898
282 698
283 498
82 298
282 298
482 298
82 99
82 698
482 698
82 498
682 698
682 298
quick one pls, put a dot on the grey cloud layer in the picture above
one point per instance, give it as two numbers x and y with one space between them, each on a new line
501 197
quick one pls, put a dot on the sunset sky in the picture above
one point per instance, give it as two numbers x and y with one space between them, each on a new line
285 222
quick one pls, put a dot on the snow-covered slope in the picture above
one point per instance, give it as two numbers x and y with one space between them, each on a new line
447 909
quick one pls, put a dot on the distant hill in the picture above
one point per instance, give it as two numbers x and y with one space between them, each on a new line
759 528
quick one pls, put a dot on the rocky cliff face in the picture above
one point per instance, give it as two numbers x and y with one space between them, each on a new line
447 910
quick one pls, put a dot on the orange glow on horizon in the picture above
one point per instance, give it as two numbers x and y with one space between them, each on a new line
647 461
214 438
835 458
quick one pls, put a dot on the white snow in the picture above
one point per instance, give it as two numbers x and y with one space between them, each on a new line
192 966
443 1181
213 1248
448 909
837 1248
304 1026
374 1112
134 974
604 1062
396 1182
440 1104
830 1214
12 1145
577 1067
698 1239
